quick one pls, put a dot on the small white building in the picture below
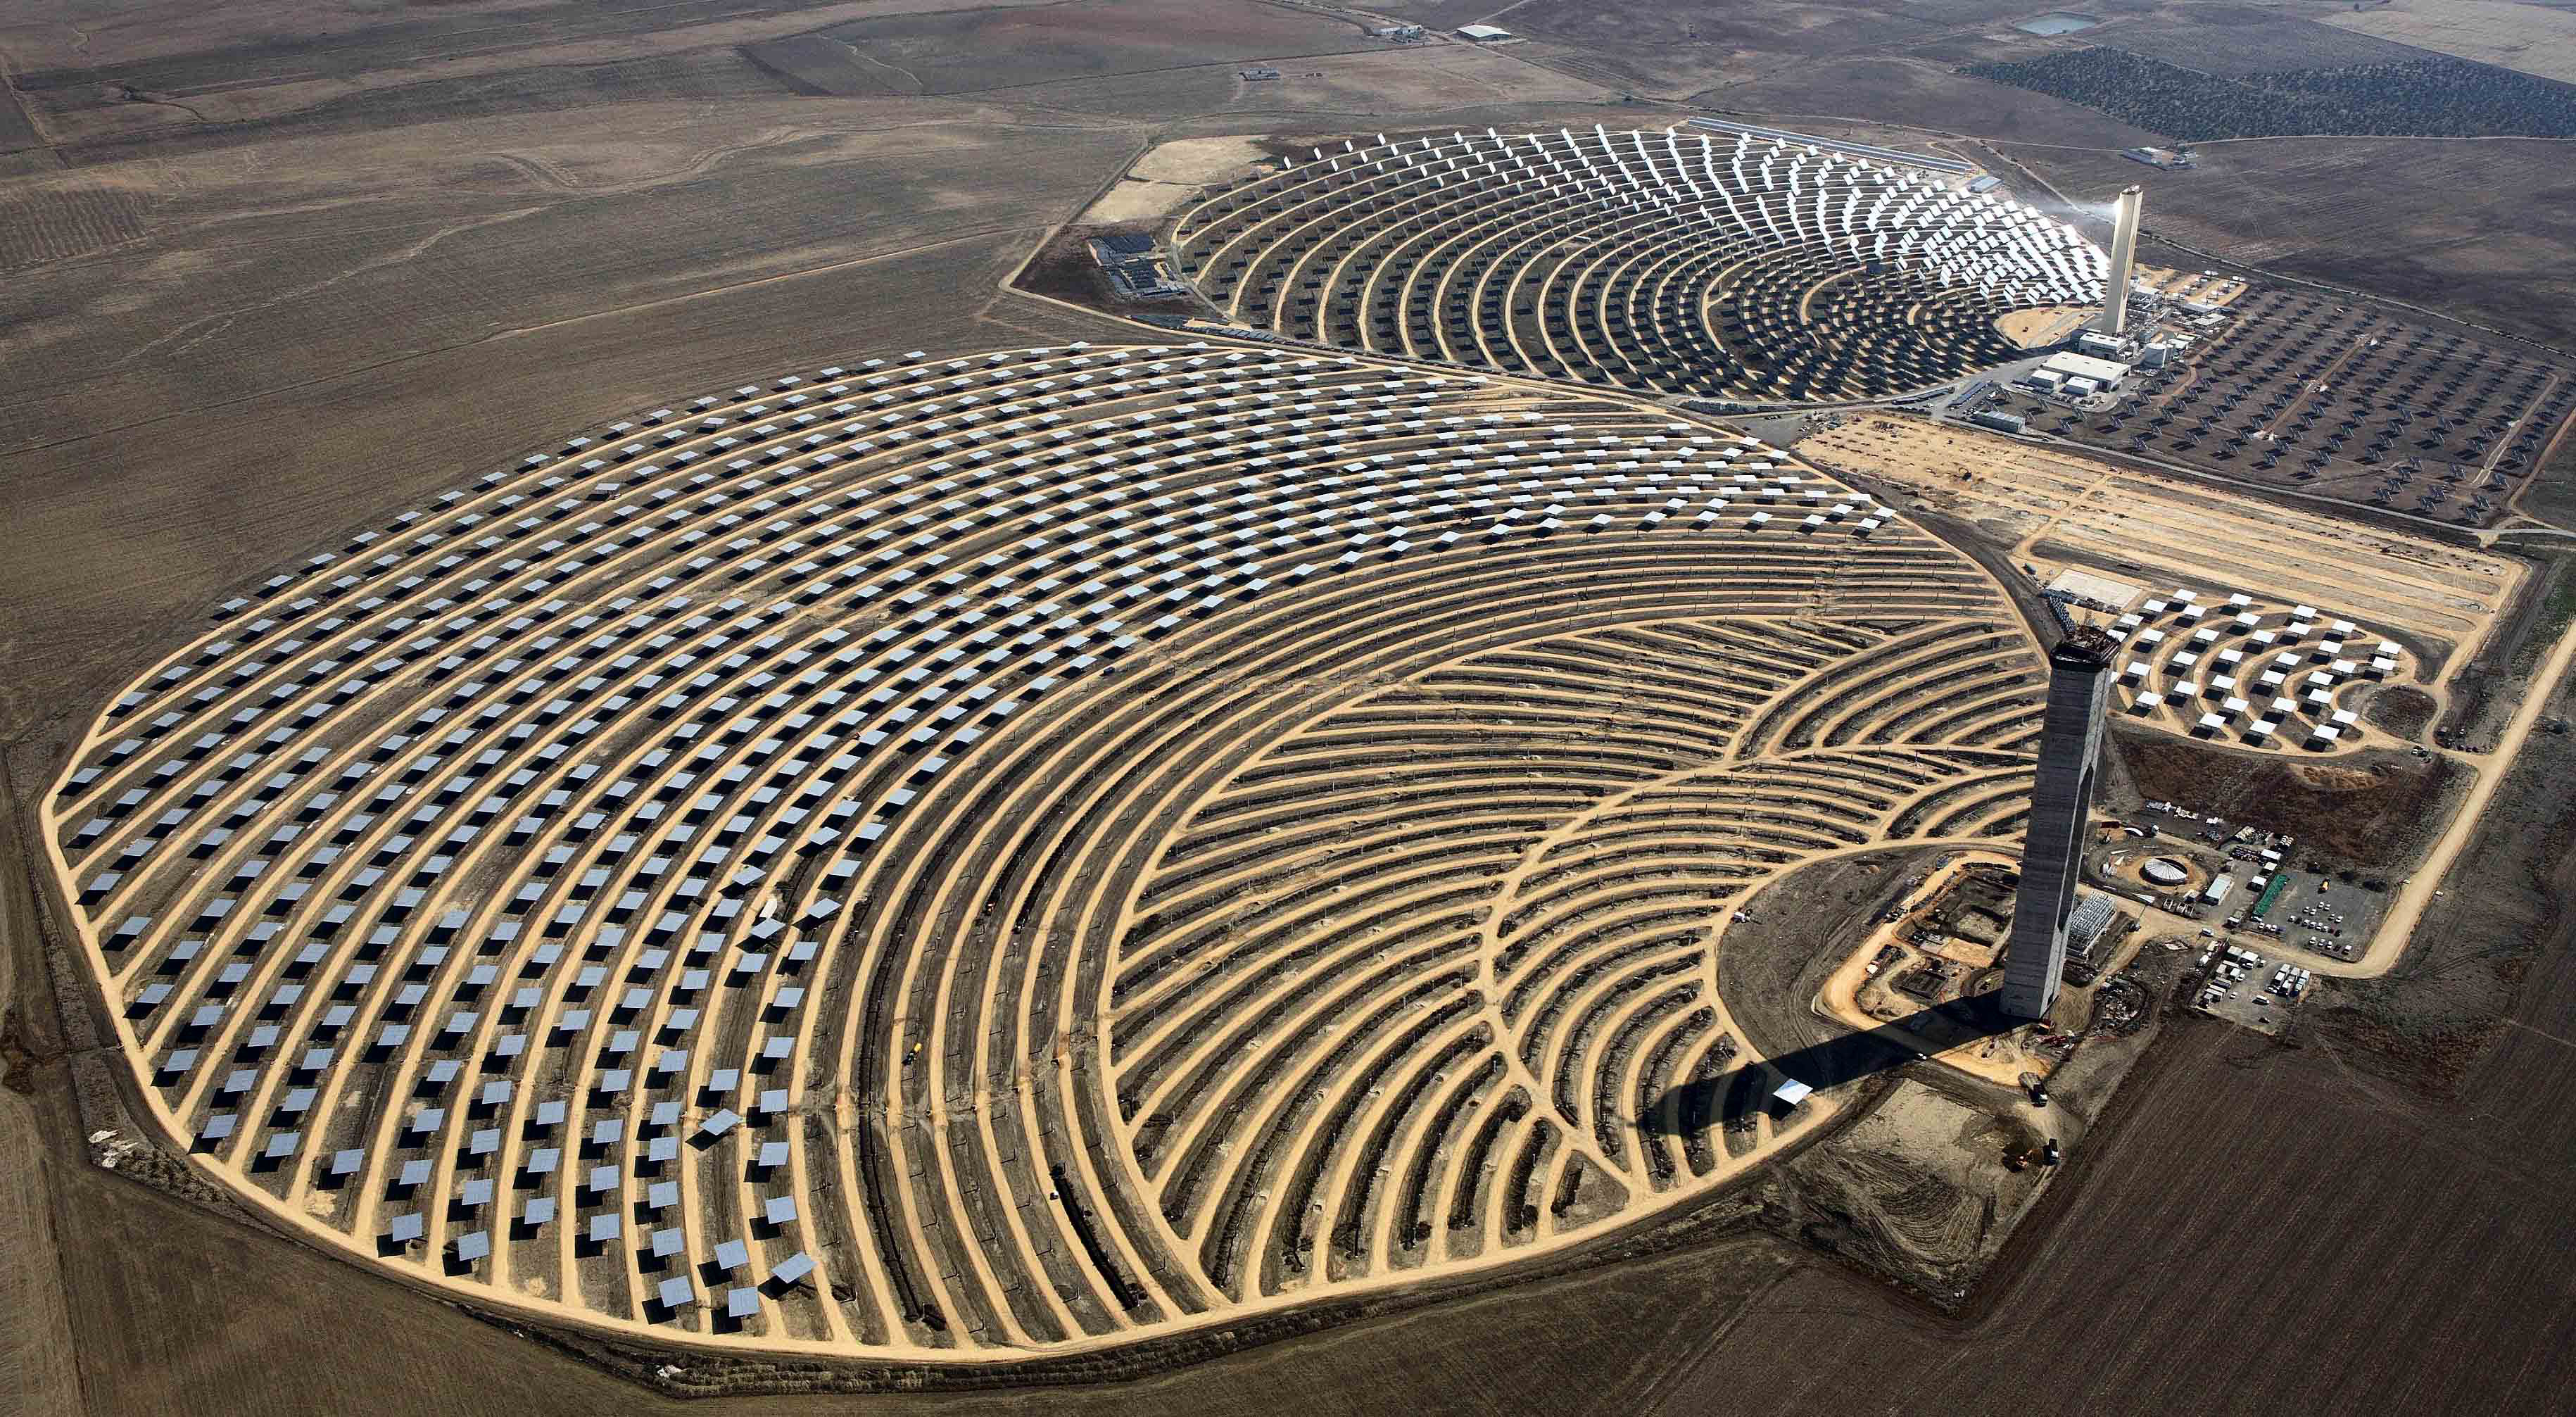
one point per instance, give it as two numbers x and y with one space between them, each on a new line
1482 34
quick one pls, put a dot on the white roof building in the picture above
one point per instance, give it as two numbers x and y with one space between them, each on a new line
2107 373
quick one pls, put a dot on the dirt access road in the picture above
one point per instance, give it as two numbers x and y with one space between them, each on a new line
2490 768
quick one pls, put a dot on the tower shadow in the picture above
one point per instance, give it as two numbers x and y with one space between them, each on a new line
1742 1091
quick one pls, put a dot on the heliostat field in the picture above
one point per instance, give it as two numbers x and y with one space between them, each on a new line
1025 851
1662 262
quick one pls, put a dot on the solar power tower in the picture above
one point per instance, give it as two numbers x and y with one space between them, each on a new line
2052 855
2114 319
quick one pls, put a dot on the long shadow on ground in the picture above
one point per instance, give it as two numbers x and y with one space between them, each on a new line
1739 1092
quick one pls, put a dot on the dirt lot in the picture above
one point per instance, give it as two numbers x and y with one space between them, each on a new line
1919 1187
2376 811
1690 47
1929 93
2487 689
37 1347
2552 498
175 77
2402 711
2249 40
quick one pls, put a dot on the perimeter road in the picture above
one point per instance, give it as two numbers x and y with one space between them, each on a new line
2398 926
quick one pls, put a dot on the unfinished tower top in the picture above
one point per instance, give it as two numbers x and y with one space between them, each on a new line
2086 647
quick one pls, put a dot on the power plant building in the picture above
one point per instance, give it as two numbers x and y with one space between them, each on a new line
2061 803
2105 373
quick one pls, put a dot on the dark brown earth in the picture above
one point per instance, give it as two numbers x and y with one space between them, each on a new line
2401 710
2374 811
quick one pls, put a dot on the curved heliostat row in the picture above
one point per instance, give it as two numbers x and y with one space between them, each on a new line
1434 977
1662 262
770 872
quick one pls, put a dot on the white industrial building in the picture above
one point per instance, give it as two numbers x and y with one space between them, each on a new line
1482 34
2104 373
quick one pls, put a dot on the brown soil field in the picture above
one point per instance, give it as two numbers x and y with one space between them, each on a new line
1414 80
2551 501
2375 812
2459 1018
2183 1268
1928 94
16 133
173 77
2294 205
1461 83
38 1350
1690 47
2534 38
979 49
2403 711
2486 690
2248 39
1456 83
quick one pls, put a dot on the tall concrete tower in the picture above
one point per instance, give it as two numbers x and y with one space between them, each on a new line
2124 253
2052 855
